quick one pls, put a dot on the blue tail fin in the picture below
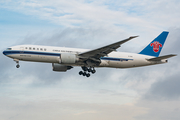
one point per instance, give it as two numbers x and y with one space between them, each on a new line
155 47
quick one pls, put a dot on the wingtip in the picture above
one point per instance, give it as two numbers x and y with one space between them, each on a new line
174 54
133 37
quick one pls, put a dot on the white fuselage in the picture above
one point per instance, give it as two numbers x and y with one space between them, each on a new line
49 54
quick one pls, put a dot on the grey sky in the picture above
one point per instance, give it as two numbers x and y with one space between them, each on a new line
36 92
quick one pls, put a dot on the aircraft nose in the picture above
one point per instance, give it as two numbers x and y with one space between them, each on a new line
4 52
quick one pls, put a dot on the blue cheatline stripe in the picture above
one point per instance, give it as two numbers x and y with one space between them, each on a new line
30 52
56 54
115 59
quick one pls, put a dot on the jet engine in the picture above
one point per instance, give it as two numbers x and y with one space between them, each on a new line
67 58
60 68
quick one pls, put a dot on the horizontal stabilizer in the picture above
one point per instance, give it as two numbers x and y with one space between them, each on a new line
161 57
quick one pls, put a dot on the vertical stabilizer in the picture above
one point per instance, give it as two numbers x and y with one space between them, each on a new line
155 47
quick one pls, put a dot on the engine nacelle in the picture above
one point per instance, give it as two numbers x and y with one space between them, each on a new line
67 58
60 67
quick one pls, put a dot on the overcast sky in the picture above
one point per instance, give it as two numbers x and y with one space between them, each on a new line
34 91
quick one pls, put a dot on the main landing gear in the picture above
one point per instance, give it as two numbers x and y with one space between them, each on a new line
86 71
17 61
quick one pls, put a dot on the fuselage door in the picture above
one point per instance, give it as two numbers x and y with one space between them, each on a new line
21 50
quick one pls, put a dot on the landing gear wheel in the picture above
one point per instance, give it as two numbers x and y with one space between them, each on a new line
86 71
84 68
88 75
89 70
17 66
93 71
17 63
84 74
81 72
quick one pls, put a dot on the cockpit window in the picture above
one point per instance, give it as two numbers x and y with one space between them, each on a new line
9 49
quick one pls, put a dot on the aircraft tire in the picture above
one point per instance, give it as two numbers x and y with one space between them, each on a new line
80 73
88 75
93 71
17 66
84 74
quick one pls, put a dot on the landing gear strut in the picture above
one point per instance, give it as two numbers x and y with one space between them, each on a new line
17 61
86 71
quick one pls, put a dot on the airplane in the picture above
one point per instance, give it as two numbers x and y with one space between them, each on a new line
63 58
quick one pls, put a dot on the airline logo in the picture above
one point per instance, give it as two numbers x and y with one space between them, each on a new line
156 45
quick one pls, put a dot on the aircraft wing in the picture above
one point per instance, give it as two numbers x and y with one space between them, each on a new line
103 51
161 57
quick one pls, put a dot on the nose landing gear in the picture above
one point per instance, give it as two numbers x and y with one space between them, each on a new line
17 61
85 70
